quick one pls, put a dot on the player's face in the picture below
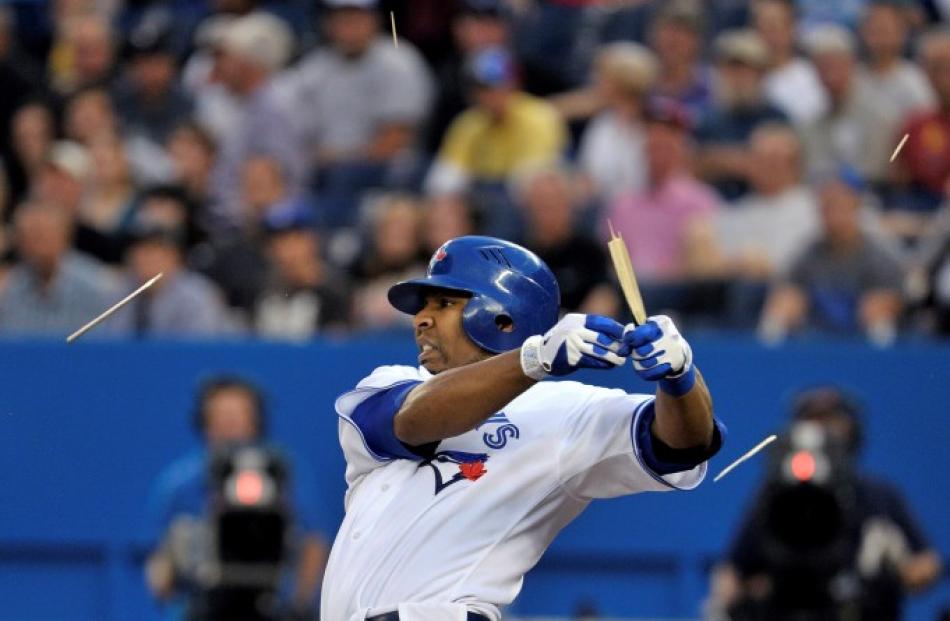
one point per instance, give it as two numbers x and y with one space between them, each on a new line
442 342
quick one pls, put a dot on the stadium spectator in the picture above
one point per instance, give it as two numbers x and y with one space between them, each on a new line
53 290
88 113
739 107
859 126
65 179
763 232
106 209
504 130
791 82
149 99
216 110
656 221
884 30
676 35
874 543
180 304
236 259
251 51
548 198
33 130
844 282
478 25
230 412
611 147
84 53
64 176
925 160
304 295
394 253
361 103
445 217
192 153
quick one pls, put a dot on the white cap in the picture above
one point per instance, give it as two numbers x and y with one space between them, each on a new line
829 39
260 38
71 158
353 4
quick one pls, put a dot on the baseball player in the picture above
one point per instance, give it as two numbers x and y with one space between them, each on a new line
462 471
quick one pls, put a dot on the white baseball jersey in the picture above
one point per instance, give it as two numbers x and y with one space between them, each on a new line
435 537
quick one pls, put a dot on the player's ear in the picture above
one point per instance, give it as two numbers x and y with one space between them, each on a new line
504 323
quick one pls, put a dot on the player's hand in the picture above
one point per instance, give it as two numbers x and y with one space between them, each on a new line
658 350
576 342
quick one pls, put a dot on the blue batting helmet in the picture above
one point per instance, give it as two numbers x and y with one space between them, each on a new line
508 284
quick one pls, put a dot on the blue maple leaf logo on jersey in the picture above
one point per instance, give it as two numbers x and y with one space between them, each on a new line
471 467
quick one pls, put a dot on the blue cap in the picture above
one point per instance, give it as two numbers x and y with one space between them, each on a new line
293 214
491 67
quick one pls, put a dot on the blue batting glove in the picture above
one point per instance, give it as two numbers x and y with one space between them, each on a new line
660 354
576 342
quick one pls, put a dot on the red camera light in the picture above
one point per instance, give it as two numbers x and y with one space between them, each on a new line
803 465
249 487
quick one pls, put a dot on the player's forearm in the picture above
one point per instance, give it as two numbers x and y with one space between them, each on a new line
686 421
455 401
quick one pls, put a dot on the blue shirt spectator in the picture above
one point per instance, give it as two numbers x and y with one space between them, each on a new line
52 290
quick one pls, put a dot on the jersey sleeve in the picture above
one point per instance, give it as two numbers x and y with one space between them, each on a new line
605 448
366 419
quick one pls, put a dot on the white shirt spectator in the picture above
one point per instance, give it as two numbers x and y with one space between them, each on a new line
905 87
341 102
611 153
795 89
776 228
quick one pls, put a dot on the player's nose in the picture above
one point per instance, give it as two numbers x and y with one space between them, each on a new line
423 320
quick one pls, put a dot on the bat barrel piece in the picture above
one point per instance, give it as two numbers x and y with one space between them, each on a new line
625 274
392 21
95 322
758 447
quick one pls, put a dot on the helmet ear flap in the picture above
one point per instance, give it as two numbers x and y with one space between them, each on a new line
488 324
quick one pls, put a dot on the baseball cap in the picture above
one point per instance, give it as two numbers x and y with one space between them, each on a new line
491 67
829 39
668 111
261 38
742 46
289 215
70 158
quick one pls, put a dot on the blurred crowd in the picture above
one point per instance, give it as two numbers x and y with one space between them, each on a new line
283 162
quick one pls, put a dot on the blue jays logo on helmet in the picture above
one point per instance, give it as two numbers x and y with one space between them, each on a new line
513 294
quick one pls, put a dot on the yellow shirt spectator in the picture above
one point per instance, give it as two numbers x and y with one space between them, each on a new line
478 146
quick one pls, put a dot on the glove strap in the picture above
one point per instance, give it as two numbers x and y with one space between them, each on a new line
531 363
679 385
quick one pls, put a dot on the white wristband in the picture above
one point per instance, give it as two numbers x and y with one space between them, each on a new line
531 363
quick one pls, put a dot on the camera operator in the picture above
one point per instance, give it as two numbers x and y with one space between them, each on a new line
233 525
823 541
